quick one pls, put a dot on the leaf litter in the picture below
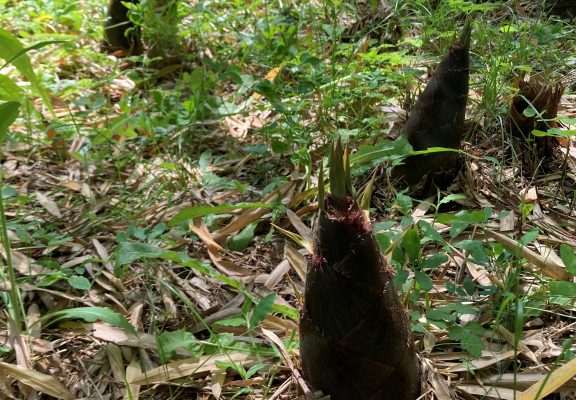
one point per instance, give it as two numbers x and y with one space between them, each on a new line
107 345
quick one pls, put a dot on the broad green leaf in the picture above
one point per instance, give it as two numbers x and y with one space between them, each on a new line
398 256
461 308
471 217
411 244
381 152
9 91
569 258
563 288
476 250
423 280
14 53
268 89
262 309
169 342
8 113
430 232
254 369
400 278
93 314
200 211
529 112
508 29
212 273
528 237
52 279
79 282
566 120
240 241
452 197
383 241
457 228
472 344
23 51
404 202
287 311
441 314
128 252
435 150
554 132
233 321
299 240
434 261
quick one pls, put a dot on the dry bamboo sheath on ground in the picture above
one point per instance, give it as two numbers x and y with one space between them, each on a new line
355 339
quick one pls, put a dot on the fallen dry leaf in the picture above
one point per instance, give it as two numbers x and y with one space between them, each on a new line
49 204
37 380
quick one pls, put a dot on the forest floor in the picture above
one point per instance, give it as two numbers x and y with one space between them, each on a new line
157 219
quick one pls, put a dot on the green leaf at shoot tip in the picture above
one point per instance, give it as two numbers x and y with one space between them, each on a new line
367 195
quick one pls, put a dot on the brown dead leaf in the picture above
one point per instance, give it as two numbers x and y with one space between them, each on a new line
201 366
271 336
506 334
23 264
252 214
116 362
489 391
72 185
49 204
529 195
297 260
132 370
276 275
550 383
217 252
272 322
227 267
37 380
488 359
218 379
301 228
40 346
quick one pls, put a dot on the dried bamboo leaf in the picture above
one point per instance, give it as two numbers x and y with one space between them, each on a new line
297 260
276 340
487 360
133 369
49 204
37 380
116 361
489 391
252 214
201 366
300 226
521 345
551 383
